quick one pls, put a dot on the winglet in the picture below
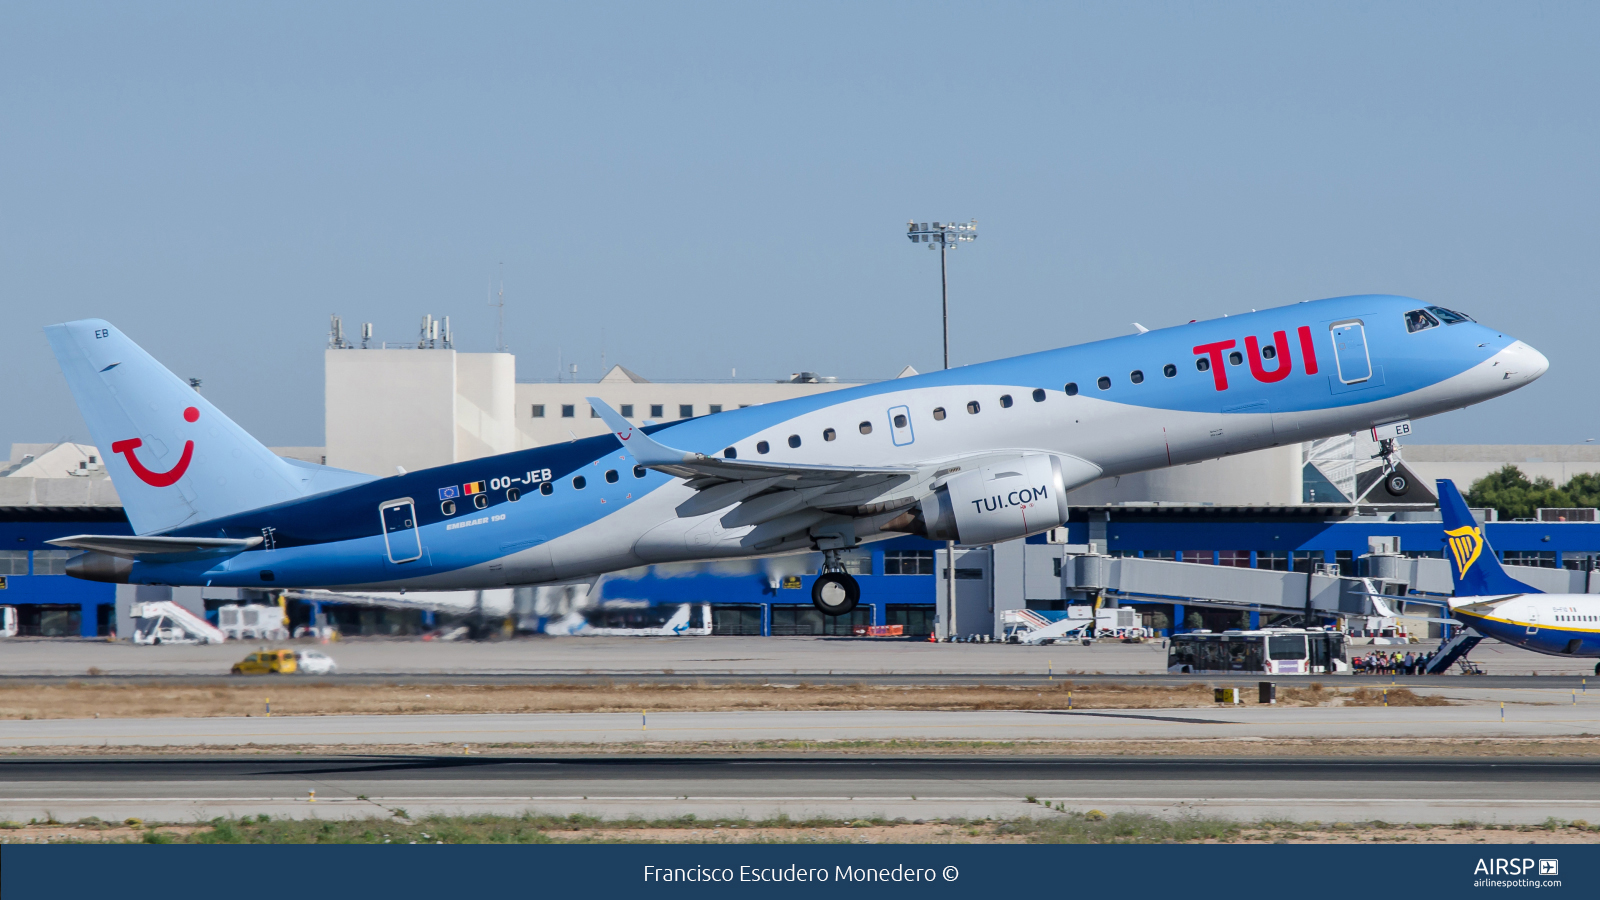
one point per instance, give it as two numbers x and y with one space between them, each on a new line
645 449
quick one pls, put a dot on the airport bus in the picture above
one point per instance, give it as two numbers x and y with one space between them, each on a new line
1267 651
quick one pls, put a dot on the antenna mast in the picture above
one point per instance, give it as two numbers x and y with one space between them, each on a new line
500 312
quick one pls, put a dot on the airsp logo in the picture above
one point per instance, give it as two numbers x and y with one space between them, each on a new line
1502 866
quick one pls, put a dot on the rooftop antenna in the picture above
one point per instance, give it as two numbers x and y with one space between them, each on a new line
336 339
195 383
444 334
603 369
366 334
500 312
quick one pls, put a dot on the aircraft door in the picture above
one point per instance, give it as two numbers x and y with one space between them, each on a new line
400 530
900 425
1350 351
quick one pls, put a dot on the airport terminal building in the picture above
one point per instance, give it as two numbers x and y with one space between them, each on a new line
1285 510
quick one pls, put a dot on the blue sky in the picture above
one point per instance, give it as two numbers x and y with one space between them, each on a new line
698 187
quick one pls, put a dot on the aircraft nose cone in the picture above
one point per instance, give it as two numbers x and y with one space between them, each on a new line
1525 363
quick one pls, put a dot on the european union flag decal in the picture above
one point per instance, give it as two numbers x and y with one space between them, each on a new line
449 493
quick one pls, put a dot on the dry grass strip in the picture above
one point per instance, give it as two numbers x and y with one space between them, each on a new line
79 700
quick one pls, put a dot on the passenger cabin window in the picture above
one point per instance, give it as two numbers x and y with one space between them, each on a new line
1169 370
627 410
481 501
546 489
899 421
1136 376
762 447
657 411
578 482
794 440
730 453
938 414
1071 389
513 494
866 427
640 471
1420 320
1203 364
611 476
1104 383
1005 403
1235 358
448 507
1269 352
1038 395
538 410
829 434
1449 316
972 408
568 411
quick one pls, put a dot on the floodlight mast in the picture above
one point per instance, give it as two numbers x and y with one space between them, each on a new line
945 237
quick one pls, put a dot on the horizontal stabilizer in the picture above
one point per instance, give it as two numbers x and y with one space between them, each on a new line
133 547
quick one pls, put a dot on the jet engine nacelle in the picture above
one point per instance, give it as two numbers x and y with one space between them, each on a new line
1003 501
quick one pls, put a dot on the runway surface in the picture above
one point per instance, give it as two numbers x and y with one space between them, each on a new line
683 658
1474 721
187 789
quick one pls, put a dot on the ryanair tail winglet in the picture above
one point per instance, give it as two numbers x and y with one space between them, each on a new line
1473 564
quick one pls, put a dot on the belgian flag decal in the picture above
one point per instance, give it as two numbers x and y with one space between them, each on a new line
472 487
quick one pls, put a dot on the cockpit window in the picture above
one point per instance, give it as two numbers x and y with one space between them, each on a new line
1419 320
1450 316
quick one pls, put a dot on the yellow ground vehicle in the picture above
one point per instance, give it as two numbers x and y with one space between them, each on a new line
265 662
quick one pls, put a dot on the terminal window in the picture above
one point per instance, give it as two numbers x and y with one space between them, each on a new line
538 410
13 562
657 411
1276 560
908 562
51 562
627 410
715 408
1545 559
568 410
686 410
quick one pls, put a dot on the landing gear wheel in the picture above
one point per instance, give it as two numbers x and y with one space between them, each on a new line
1396 484
835 593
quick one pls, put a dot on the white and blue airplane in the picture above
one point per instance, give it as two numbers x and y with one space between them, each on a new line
1493 604
976 455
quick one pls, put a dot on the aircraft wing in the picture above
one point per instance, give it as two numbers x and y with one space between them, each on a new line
134 546
764 490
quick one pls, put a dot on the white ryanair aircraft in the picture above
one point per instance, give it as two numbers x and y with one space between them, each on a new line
977 454
1493 604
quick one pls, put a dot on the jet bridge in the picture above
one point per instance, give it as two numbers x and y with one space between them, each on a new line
1196 584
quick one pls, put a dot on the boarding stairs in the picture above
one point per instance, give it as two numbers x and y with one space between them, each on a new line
1452 650
165 622
1034 628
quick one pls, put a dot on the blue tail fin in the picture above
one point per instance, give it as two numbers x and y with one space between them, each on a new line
1473 564
174 458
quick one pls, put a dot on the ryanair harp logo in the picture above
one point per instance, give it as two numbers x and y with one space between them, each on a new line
1466 543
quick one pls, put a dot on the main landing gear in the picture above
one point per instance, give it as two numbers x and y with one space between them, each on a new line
834 592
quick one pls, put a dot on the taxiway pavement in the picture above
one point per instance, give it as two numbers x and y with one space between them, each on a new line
180 789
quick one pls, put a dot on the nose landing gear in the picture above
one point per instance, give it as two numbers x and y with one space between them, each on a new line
835 592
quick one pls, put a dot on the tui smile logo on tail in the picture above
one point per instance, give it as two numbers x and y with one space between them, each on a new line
158 479
1466 543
